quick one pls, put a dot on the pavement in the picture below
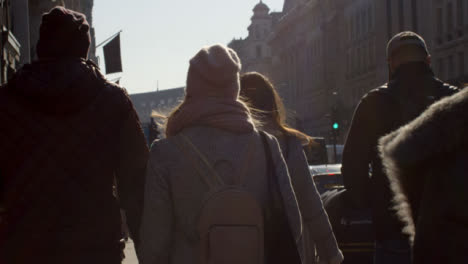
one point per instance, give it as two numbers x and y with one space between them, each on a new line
130 256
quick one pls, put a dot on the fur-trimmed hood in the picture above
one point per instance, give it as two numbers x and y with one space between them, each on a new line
441 129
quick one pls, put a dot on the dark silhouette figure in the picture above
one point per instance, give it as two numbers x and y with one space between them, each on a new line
426 162
411 89
66 134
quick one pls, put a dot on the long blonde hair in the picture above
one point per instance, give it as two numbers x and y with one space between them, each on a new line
262 98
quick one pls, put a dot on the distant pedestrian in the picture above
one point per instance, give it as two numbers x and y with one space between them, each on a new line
411 89
66 134
217 190
426 162
262 97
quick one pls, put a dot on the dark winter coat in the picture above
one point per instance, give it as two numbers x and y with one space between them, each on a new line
66 133
380 112
427 164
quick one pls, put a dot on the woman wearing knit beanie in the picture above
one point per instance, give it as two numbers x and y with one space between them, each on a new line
212 148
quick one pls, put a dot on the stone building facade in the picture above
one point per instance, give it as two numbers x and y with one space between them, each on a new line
449 40
9 45
254 50
325 55
162 102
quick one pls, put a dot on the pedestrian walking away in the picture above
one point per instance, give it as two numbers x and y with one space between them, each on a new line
411 89
67 133
262 98
426 164
206 200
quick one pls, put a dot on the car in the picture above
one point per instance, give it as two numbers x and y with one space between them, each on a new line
327 177
353 228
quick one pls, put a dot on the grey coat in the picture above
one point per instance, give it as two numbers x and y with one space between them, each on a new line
174 191
318 232
427 164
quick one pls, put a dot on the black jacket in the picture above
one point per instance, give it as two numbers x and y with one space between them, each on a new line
380 112
66 133
427 163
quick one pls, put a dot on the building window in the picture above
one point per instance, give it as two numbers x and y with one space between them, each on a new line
370 17
358 25
258 51
355 63
451 67
364 21
401 15
389 18
348 64
461 64
415 15
460 18
372 52
369 56
466 12
441 68
439 26
350 30
449 21
257 32
359 60
460 13
353 28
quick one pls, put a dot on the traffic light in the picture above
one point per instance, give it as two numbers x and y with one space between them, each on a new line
336 126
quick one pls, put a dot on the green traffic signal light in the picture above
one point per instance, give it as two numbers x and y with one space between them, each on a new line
336 126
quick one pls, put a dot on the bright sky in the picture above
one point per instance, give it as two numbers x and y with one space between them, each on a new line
159 37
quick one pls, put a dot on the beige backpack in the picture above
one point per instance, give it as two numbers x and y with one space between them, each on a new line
230 223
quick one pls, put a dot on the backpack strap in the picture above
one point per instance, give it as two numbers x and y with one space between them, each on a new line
272 181
247 161
212 179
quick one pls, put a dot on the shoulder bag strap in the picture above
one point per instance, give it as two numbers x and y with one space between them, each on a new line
271 177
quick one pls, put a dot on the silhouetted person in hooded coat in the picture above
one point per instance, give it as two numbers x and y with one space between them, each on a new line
66 134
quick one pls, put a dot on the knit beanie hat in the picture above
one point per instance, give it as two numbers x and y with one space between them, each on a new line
406 38
63 33
214 72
